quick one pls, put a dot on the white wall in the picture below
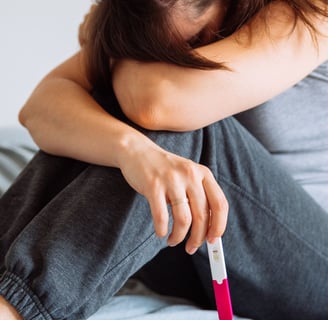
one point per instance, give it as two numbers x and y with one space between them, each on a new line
35 36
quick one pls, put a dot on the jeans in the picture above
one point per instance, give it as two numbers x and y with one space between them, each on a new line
72 233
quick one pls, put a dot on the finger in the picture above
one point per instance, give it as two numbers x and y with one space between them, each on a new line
200 219
218 206
181 219
160 214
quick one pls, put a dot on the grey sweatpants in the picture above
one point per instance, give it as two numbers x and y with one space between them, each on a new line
72 233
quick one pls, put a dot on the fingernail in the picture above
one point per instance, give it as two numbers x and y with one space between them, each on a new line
192 251
171 244
212 240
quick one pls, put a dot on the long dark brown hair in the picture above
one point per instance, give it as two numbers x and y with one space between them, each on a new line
141 30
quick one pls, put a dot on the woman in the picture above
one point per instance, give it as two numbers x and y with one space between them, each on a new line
242 167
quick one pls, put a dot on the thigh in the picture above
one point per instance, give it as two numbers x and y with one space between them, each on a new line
42 180
68 222
276 242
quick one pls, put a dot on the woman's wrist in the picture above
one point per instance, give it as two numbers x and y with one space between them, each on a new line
130 145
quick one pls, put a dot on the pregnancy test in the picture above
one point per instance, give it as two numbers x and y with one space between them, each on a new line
220 280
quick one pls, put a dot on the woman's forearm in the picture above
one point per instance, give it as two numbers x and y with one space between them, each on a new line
64 119
270 60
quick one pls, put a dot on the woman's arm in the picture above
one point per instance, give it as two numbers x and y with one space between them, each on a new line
65 120
270 60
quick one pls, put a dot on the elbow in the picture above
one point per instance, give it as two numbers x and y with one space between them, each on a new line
28 119
160 117
26 116
148 118
146 113
156 111
22 117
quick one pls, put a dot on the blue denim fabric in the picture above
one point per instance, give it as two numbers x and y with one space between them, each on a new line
72 233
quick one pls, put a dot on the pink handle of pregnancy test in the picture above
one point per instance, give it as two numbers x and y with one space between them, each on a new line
220 280
222 299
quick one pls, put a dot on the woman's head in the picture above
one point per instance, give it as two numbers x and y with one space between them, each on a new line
151 30
197 22
167 30
139 27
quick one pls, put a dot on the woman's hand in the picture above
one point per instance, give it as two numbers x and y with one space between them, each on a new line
190 189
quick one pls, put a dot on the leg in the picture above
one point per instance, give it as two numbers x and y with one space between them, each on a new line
260 214
74 233
7 311
276 243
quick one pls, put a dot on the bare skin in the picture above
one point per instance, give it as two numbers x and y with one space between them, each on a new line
7 311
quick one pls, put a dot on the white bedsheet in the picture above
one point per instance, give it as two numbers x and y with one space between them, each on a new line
16 149
138 303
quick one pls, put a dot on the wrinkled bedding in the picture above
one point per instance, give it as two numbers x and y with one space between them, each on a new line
137 302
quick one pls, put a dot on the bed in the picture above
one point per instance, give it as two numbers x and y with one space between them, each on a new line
134 301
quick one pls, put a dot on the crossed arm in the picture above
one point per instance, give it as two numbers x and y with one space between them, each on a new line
64 119
265 59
